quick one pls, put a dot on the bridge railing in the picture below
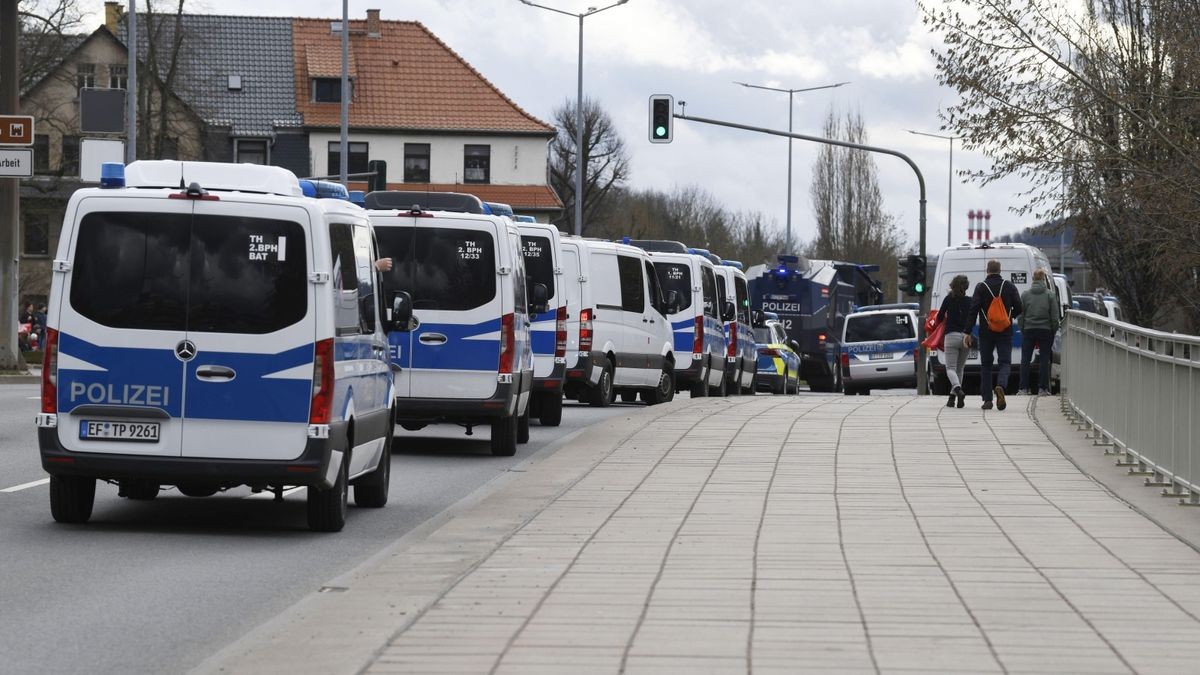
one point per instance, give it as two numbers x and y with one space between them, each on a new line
1140 390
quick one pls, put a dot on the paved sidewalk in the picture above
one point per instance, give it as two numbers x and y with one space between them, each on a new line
776 535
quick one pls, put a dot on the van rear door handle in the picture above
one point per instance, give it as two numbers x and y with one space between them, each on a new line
215 373
432 339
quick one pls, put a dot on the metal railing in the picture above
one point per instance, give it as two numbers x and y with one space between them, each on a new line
1137 389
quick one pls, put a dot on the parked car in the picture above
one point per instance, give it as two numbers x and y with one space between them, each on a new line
778 369
878 350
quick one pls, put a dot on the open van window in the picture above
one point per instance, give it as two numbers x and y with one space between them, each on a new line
676 277
444 269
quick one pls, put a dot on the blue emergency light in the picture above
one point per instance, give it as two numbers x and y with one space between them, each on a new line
358 197
112 175
323 189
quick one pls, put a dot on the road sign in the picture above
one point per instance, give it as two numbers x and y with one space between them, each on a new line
94 152
16 162
16 130
101 110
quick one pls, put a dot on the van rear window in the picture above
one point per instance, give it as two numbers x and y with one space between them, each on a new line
162 271
443 268
539 262
675 277
873 327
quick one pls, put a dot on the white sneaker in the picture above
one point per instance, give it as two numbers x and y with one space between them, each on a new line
1045 392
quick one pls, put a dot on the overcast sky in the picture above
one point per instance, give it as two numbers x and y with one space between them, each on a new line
695 50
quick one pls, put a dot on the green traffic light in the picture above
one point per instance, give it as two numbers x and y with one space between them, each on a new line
919 288
660 131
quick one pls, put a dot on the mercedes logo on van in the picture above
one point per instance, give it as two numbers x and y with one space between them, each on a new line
185 350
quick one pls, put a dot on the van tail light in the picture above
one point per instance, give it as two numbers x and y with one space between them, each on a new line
845 364
821 338
322 398
508 344
733 348
767 351
50 372
698 340
585 330
560 332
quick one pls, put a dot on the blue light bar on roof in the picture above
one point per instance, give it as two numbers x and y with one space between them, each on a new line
324 189
358 197
112 175
736 264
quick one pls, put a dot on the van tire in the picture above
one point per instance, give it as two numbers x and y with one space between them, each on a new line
699 388
138 490
719 391
550 412
327 508
371 491
601 395
665 391
733 382
71 498
504 436
750 391
523 427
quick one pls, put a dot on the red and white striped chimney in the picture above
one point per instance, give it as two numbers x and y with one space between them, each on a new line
987 228
971 225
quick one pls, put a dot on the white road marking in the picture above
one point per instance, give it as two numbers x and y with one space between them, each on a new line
26 486
267 494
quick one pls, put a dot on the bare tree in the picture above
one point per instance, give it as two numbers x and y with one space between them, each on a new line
158 102
1103 95
848 204
48 32
604 157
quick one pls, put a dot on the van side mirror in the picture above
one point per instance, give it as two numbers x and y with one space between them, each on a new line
402 311
728 311
757 318
541 299
672 302
794 345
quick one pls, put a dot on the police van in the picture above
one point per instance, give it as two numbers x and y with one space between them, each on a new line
211 327
741 356
465 356
618 337
540 242
1017 263
878 350
696 324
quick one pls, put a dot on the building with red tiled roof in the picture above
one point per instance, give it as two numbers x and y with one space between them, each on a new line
417 105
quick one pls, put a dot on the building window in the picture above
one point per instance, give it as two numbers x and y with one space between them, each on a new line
70 156
35 235
251 151
357 162
329 90
416 162
169 148
85 75
41 154
477 164
118 76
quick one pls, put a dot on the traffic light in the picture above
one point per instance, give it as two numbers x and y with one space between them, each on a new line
378 181
912 275
661 119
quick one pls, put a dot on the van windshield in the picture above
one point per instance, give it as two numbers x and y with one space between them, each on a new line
443 268
874 327
539 262
675 277
163 271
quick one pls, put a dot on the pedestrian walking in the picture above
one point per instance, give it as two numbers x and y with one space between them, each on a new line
1039 323
955 310
995 304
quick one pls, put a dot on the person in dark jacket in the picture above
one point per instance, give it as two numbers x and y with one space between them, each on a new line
993 344
1039 323
955 310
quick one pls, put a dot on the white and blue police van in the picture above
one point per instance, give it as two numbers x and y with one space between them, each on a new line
466 355
878 350
211 327
741 355
696 324
541 245
619 340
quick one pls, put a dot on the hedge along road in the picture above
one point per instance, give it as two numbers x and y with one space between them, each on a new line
159 586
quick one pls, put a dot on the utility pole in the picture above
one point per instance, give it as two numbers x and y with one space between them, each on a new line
344 148
131 86
10 193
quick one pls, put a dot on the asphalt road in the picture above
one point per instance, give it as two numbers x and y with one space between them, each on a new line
159 586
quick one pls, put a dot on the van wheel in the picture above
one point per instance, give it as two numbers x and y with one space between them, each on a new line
327 508
371 491
504 436
849 391
550 412
523 427
140 490
601 395
629 396
733 386
700 386
750 391
720 390
71 498
665 391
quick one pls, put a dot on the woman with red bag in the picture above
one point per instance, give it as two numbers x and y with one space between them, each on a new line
953 315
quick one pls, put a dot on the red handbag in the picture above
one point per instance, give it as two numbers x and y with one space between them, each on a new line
936 340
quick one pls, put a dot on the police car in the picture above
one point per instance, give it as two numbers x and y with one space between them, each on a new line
211 327
878 350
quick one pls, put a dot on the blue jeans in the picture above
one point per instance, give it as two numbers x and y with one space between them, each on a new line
1001 344
1042 338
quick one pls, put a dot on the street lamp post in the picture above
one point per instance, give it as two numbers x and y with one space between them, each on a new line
949 183
580 166
791 93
